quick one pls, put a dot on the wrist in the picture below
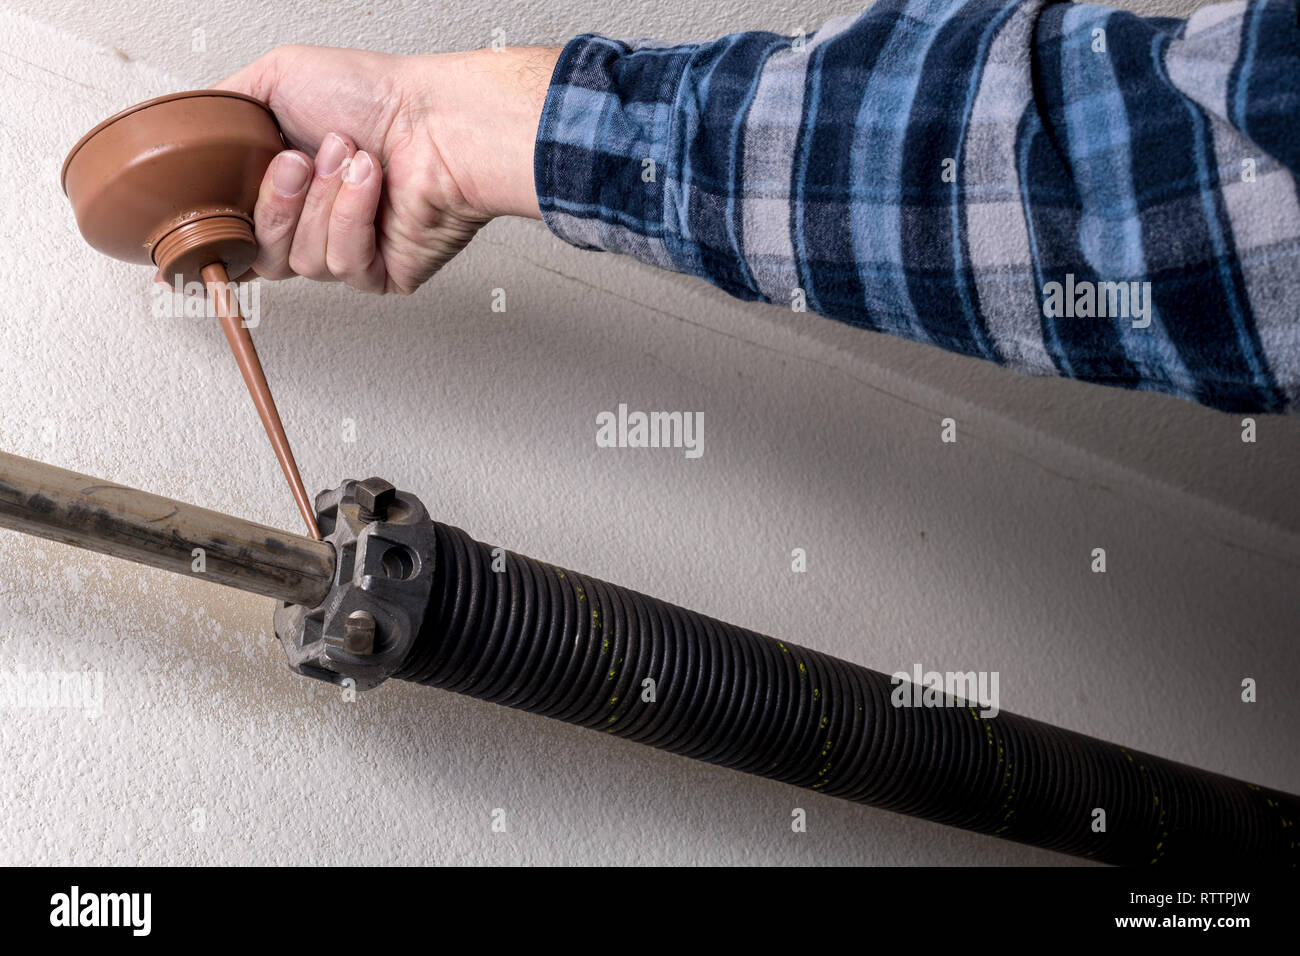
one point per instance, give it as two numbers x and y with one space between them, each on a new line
481 111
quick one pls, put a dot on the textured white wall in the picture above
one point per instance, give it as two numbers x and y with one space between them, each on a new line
972 555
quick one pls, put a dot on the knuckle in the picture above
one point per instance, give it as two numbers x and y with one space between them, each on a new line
350 265
270 236
345 219
281 53
339 266
274 220
274 271
307 265
363 283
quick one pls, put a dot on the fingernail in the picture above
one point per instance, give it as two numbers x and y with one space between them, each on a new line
357 169
291 173
331 154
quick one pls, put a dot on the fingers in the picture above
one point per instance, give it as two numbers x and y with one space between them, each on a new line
318 219
276 216
311 235
350 253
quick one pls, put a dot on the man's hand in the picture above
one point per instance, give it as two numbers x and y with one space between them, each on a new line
398 160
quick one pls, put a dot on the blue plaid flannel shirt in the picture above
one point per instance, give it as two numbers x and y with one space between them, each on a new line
1064 189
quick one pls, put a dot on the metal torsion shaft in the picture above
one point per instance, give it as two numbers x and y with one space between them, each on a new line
60 505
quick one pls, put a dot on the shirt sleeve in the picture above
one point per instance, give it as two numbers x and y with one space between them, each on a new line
1064 189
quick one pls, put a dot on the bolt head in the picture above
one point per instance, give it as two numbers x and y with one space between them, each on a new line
374 497
359 633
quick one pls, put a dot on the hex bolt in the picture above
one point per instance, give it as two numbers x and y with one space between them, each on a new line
359 633
374 497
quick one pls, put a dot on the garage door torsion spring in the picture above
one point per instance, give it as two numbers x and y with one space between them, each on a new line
511 630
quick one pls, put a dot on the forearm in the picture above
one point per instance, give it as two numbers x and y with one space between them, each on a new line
937 176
